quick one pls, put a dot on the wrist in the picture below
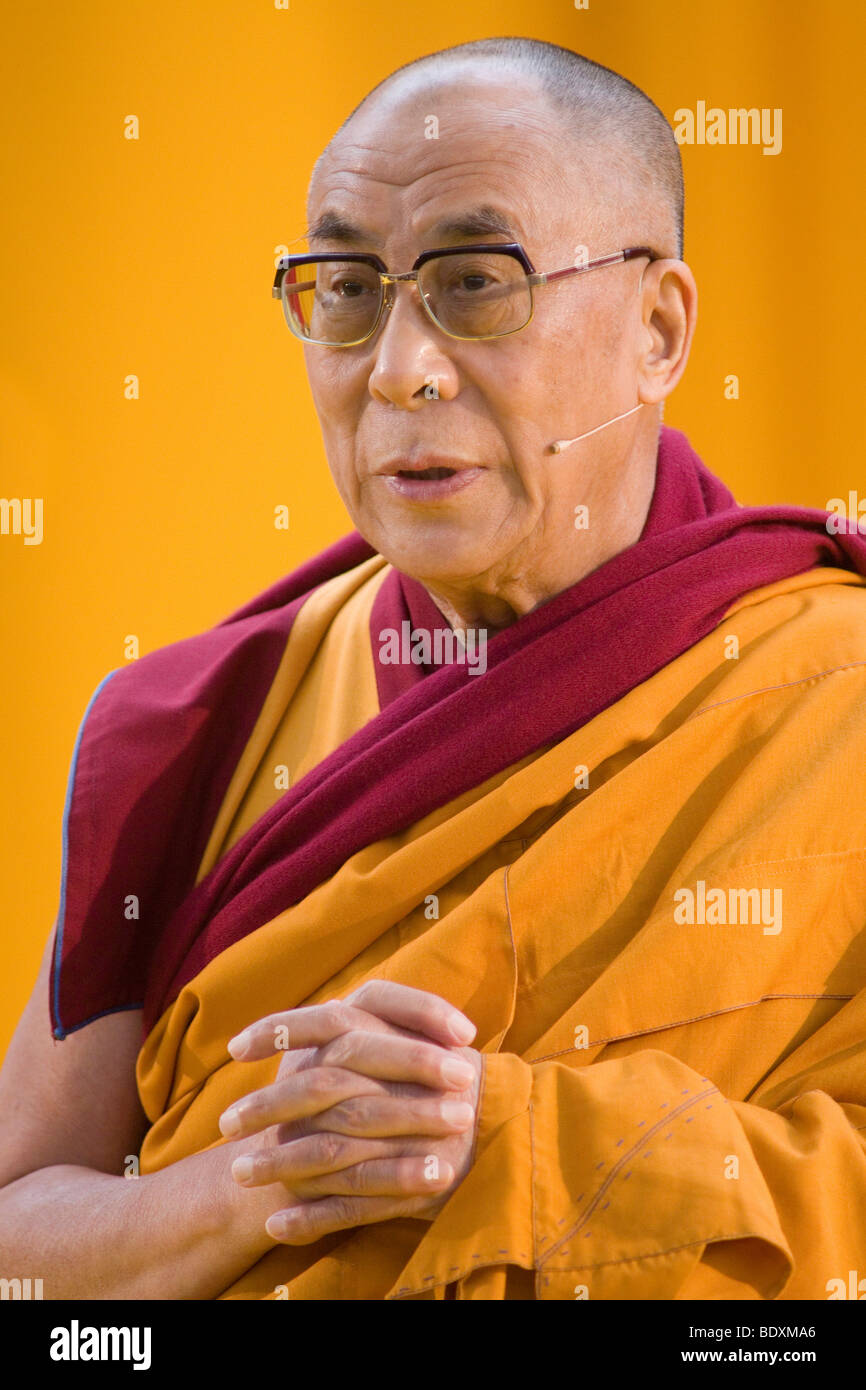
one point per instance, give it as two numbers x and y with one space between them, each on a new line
246 1209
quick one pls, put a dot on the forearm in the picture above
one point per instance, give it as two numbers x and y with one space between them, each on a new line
184 1232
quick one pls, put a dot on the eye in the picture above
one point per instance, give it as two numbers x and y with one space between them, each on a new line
473 275
349 289
346 282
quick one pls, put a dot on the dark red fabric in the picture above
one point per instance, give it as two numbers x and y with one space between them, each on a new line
400 599
548 674
154 757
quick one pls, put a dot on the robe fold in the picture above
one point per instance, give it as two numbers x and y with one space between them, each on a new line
633 851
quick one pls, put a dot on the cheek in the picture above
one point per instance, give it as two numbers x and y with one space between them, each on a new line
338 388
531 388
515 383
336 404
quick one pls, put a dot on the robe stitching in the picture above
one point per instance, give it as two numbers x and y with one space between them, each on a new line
482 1093
681 1022
624 1159
769 689
658 1254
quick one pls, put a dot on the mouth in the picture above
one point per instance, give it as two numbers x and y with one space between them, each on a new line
430 482
418 473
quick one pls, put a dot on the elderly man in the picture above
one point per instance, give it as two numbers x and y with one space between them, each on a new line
479 910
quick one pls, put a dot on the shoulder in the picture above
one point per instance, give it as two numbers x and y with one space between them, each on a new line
792 636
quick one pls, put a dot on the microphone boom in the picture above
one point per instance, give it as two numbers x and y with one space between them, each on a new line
559 444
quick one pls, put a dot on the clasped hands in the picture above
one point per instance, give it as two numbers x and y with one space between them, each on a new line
373 1113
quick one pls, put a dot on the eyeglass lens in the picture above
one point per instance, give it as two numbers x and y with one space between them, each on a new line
471 295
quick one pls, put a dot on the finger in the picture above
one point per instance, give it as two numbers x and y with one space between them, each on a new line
308 1222
308 1092
414 1008
393 1058
310 1157
383 1177
385 1116
295 1028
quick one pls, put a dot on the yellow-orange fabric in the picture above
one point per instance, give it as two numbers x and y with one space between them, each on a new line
669 1109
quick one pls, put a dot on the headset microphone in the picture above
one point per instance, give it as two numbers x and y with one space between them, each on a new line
559 444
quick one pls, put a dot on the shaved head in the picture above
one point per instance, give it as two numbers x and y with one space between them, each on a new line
611 128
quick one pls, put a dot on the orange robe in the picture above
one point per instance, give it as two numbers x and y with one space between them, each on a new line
670 1108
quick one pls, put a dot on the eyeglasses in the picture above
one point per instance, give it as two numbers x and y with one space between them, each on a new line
470 292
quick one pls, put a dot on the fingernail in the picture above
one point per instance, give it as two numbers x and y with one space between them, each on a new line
457 1113
457 1073
243 1168
279 1224
230 1123
238 1045
462 1030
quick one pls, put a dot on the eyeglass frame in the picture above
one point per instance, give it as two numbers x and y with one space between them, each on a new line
534 279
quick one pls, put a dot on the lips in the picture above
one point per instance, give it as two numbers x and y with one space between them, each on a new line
428 477
429 481
415 461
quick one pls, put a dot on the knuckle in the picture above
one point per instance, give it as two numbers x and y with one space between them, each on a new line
336 1078
334 1014
419 1056
407 1177
356 1179
318 1083
354 1114
265 1167
424 1110
328 1149
340 1050
365 992
344 1210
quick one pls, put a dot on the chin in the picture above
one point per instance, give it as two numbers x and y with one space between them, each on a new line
450 559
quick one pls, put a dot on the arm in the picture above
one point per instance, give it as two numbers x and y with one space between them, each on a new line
69 1117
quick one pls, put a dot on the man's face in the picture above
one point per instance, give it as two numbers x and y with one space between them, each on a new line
497 404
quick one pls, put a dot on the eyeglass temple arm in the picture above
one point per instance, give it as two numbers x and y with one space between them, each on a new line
294 288
629 254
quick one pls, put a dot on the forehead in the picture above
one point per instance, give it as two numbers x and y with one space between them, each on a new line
418 155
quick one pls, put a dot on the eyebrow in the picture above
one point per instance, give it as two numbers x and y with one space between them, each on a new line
331 226
481 221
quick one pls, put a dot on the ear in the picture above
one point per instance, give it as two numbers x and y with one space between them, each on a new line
669 311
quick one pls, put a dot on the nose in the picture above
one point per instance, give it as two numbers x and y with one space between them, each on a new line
412 361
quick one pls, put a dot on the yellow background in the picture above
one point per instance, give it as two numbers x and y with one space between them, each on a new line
156 256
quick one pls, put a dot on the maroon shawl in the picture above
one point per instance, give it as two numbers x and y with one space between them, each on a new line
161 737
